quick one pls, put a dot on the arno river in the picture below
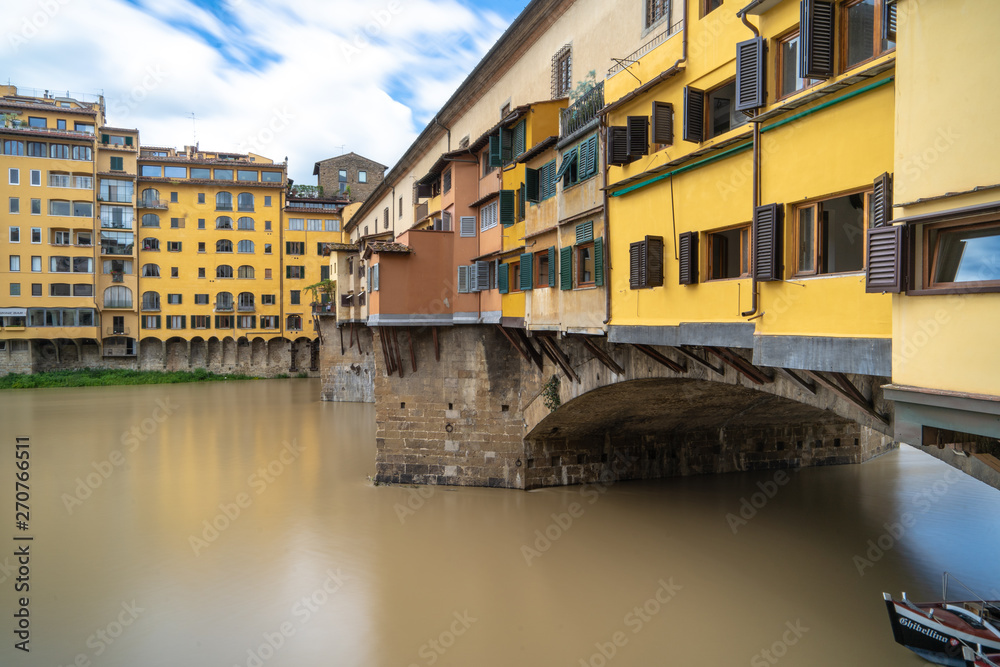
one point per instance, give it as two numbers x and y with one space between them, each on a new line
234 524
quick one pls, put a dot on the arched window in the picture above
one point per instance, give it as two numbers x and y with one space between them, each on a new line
245 246
245 271
151 244
244 202
223 271
245 223
150 197
151 301
223 245
118 297
245 301
294 323
150 220
224 301
223 222
224 201
150 270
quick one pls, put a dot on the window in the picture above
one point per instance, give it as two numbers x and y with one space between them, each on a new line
295 247
245 224
446 182
268 322
83 289
244 201
84 238
15 205
294 297
86 153
59 264
224 175
267 200
296 224
247 175
201 197
962 255
12 147
148 220
175 321
83 209
13 176
201 223
116 191
15 263
177 223
789 72
334 225
173 197
151 322
562 72
488 217
174 299
36 177
245 246
223 271
151 301
267 248
15 235
36 263
861 27
295 272
729 253
294 323
223 222
267 274
199 321
342 175
15 289
267 300
223 201
270 176
36 207
656 11
201 299
246 321
36 290
150 271
151 244
709 5
173 246
37 149
116 243
60 289
829 235
313 225
37 122
543 265
721 113
223 321
585 264
223 301
245 272
515 276
223 245
201 173
83 265
245 301
61 238
36 234
267 225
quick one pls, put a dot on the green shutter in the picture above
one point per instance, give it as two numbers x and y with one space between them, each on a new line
508 211
522 203
217 322
506 145
599 261
526 272
105 138
495 160
566 268
519 138
585 232
591 156
552 266
531 185
288 271
128 141
503 279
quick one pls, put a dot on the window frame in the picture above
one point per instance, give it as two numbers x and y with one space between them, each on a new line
542 277
841 24
707 127
779 42
817 254
705 7
745 271
562 72
578 265
929 257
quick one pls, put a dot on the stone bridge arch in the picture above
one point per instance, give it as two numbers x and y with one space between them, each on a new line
670 412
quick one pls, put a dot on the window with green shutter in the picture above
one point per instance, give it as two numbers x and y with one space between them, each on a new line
552 266
531 185
502 279
526 273
599 261
495 154
585 231
508 211
566 268
117 164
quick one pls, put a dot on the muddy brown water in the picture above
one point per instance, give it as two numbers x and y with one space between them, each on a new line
233 524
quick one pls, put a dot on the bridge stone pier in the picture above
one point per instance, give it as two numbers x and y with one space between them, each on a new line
478 405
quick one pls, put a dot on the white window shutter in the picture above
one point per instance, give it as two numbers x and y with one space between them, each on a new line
468 225
473 278
482 276
463 279
376 272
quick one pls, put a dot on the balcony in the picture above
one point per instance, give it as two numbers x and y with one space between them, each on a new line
623 63
156 204
117 304
320 308
581 112
107 249
117 331
244 309
117 277
223 307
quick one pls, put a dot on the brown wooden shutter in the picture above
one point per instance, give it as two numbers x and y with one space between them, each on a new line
751 79
618 144
889 20
663 123
767 263
653 261
687 249
885 265
638 136
424 190
882 201
694 115
816 35
636 251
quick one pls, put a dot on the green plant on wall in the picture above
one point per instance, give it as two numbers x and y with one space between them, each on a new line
582 87
327 287
550 393
10 119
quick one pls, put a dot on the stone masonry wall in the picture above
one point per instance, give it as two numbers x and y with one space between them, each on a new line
347 363
456 421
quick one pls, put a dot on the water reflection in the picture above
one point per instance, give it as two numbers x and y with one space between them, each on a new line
238 548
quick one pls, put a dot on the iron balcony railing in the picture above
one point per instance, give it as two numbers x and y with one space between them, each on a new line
245 309
158 204
581 112
117 277
118 331
223 307
623 63
117 303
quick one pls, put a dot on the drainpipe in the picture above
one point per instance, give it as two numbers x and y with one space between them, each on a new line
754 288
438 123
604 152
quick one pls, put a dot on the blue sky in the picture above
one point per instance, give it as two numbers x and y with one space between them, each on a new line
306 79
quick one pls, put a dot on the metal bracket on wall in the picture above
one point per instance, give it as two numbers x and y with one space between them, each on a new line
558 356
741 365
661 358
601 355
694 357
842 386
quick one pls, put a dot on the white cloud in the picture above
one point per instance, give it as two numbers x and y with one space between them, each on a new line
296 78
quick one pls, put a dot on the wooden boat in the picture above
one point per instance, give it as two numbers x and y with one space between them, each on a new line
939 631
974 658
